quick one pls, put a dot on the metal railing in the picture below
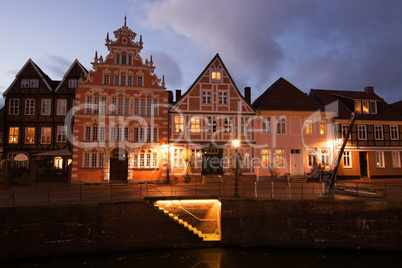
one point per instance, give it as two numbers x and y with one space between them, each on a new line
29 195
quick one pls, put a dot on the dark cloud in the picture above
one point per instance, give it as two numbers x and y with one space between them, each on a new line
343 44
55 66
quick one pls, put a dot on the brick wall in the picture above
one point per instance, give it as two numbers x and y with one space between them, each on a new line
312 224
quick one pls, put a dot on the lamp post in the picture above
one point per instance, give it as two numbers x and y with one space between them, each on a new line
235 144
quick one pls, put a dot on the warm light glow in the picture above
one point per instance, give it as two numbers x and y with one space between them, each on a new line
339 142
58 162
169 202
235 143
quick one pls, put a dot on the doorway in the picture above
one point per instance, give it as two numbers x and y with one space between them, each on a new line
211 161
363 164
118 166
296 162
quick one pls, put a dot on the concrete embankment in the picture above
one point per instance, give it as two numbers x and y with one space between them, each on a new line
49 230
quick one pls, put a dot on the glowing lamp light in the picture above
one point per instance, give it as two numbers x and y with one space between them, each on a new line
235 143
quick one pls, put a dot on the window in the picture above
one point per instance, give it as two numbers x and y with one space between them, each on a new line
206 97
149 106
312 157
178 123
266 125
126 106
102 134
223 97
94 161
113 106
378 132
373 107
136 107
155 135
34 83
228 124
142 106
25 83
116 80
112 134
89 105
216 76
265 158
394 132
195 124
325 156
120 106
148 134
124 59
365 107
46 135
29 107
13 135
103 105
96 105
379 156
178 158
101 160
281 125
106 79
29 135
123 80
323 127
61 107
396 159
130 81
142 158
14 107
280 158
156 107
46 106
72 83
362 132
345 131
358 106
61 133
86 160
308 126
139 81
142 134
117 59
58 162
347 159
136 134
94 133
211 124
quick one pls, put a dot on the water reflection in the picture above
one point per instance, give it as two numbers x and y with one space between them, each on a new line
219 257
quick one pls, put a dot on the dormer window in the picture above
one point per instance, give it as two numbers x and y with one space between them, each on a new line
72 83
358 106
366 107
373 107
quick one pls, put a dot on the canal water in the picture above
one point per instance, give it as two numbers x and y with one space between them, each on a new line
220 257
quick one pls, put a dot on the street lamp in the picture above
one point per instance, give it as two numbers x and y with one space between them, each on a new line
235 144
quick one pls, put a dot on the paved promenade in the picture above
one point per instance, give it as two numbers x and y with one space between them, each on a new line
382 189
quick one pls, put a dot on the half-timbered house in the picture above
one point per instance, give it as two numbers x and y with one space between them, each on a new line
203 123
36 108
120 121
373 149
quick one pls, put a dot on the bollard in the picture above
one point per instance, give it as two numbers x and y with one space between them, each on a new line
255 189
272 190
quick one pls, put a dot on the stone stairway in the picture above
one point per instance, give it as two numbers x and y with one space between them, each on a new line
189 227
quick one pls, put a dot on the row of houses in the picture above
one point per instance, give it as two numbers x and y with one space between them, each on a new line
118 123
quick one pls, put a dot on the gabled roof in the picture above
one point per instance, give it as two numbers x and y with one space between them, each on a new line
397 106
217 57
346 104
48 82
76 62
283 96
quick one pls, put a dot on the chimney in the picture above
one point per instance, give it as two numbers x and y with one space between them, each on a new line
369 90
170 96
178 94
247 94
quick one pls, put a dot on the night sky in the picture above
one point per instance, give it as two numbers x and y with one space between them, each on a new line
321 44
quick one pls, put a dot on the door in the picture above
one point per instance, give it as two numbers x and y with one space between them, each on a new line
296 162
211 161
363 164
118 166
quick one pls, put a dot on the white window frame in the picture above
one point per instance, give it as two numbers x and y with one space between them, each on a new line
228 124
265 158
30 135
211 124
72 83
46 135
206 97
266 124
323 127
34 83
379 156
216 75
195 124
347 159
362 132
29 106
280 158
222 97
61 107
324 153
281 125
178 123
378 132
394 132
396 159
14 107
46 106
140 81
61 133
308 123
13 135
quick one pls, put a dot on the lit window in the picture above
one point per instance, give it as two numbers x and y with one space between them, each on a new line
216 75
58 162
178 158
280 158
365 107
13 135
358 106
379 156
265 158
325 156
178 123
29 135
347 159
309 126
396 159
312 157
323 127
195 124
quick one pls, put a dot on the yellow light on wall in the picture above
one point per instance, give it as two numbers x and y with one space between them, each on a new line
235 143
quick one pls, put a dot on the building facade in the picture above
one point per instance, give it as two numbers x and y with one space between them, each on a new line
120 121
373 149
35 111
204 121
294 132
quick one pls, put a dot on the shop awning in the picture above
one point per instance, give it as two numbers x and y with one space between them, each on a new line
63 152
